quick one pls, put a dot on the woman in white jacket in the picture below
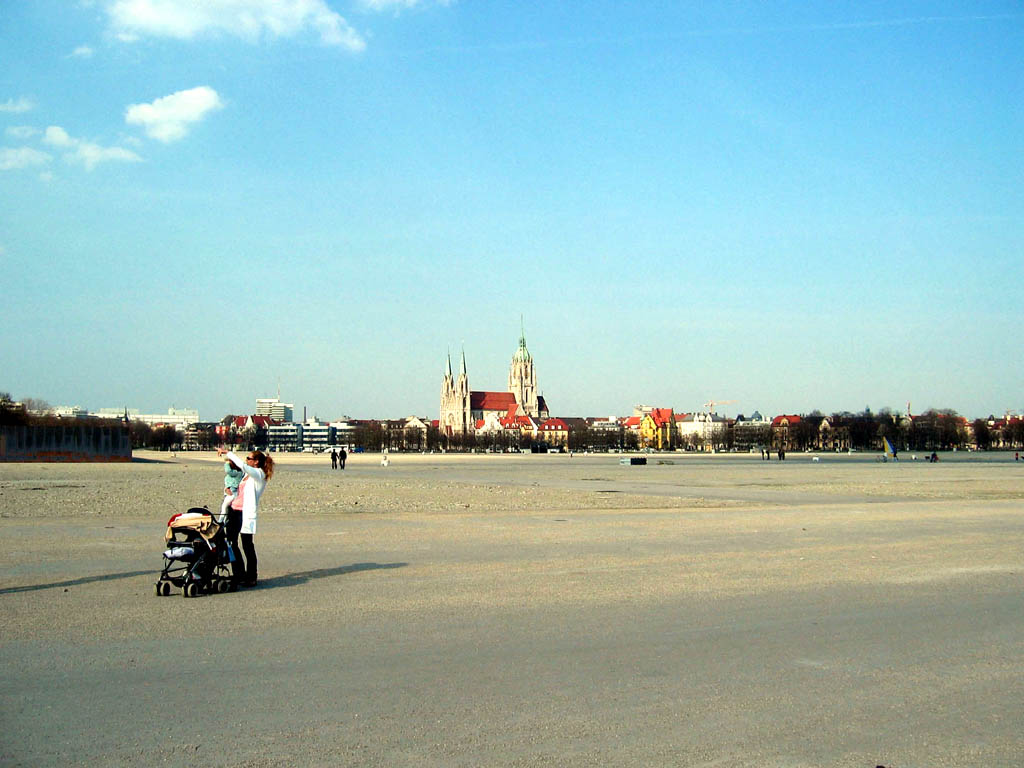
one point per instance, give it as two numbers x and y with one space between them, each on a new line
258 468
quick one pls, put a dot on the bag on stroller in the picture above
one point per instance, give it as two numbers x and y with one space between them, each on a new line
196 557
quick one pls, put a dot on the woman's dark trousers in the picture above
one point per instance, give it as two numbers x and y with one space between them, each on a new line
234 527
250 558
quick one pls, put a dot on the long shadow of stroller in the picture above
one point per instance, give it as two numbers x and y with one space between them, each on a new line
294 579
74 582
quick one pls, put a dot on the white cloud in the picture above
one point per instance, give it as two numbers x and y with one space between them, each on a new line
57 137
46 176
168 118
21 132
248 19
82 52
15 158
17 105
86 153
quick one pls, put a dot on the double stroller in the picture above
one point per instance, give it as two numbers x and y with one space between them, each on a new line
198 556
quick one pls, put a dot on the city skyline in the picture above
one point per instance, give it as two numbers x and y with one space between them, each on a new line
791 207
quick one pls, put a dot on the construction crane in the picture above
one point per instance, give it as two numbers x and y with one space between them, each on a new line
710 404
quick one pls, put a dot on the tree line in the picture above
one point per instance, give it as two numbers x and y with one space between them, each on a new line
936 429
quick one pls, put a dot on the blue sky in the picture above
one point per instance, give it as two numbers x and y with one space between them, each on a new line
790 205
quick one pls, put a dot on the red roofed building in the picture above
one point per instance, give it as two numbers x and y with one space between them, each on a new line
782 439
492 401
254 427
560 432
658 429
466 411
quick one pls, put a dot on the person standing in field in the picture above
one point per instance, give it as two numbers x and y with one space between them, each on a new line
334 459
258 468
341 458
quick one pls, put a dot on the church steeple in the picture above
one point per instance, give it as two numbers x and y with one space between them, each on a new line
522 379
522 354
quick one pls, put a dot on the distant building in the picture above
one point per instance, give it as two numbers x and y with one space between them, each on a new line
658 428
784 436
179 418
317 436
702 431
253 429
833 437
200 435
554 432
286 436
464 410
750 433
71 412
274 408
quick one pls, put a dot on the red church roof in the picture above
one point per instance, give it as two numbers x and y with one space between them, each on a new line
491 401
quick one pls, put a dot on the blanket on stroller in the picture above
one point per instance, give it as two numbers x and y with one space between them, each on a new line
201 522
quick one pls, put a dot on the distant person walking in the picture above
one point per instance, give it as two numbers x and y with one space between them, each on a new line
334 459
258 468
341 458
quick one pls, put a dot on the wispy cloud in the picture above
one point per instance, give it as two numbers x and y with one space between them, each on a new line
24 104
86 153
248 19
16 158
82 52
21 132
169 118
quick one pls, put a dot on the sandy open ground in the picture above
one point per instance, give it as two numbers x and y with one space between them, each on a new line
524 610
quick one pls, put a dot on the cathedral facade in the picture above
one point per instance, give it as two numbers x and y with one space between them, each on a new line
466 411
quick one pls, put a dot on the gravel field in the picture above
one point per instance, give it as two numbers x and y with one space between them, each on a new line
524 610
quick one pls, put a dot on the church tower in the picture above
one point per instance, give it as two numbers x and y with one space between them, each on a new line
522 379
455 400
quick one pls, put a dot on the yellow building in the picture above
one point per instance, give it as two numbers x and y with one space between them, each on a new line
657 429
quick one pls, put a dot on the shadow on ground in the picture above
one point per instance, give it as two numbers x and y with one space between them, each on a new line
294 579
74 582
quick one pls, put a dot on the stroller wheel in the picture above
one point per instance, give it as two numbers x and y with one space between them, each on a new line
223 585
158 588
191 589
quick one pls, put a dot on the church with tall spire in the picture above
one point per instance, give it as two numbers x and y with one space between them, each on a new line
466 411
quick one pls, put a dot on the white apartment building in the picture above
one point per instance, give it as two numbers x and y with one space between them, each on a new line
70 411
179 418
317 436
707 430
274 408
284 437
